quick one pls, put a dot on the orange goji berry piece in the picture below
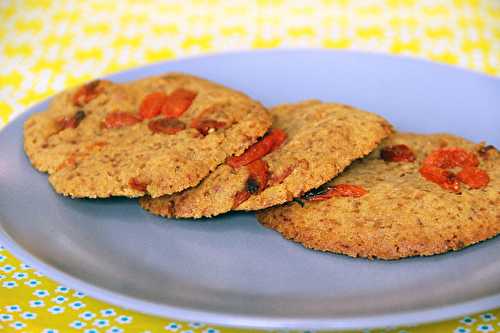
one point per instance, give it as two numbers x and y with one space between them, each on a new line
204 126
166 126
177 103
138 185
444 178
86 93
451 157
340 190
279 136
152 104
71 122
348 190
269 143
240 197
120 119
259 175
473 177
205 122
397 153
256 182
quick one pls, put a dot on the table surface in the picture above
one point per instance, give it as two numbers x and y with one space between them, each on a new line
46 46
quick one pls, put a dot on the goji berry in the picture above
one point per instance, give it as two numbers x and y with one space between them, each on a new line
177 103
259 175
71 122
473 177
263 147
397 153
257 181
152 104
240 197
120 119
166 126
204 126
451 157
138 185
339 190
444 178
86 93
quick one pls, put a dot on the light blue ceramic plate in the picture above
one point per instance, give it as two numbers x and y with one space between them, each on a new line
232 271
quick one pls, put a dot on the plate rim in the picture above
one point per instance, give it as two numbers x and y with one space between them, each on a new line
194 57
403 318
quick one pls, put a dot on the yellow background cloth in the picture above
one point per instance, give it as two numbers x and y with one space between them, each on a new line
48 45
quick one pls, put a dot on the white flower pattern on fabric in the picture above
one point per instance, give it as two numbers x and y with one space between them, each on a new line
77 305
13 308
108 312
29 315
101 323
41 293
59 299
173 327
19 275
9 284
79 294
485 328
7 268
38 303
18 325
87 315
77 324
124 319
487 317
24 266
32 283
56 309
210 330
461 330
91 330
5 317
468 320
62 289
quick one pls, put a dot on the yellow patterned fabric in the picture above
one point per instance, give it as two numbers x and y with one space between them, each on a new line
49 45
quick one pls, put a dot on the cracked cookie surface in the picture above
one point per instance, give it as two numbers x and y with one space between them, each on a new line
402 213
321 140
154 136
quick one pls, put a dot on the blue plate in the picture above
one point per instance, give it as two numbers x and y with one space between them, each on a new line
232 271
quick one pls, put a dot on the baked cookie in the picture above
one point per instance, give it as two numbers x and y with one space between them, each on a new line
157 135
310 143
415 195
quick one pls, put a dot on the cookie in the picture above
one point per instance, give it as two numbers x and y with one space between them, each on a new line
157 135
415 195
310 143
